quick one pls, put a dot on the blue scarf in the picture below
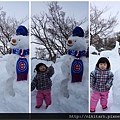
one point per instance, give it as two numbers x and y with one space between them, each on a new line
22 64
77 65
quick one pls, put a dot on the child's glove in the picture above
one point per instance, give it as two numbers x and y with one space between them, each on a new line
107 86
51 66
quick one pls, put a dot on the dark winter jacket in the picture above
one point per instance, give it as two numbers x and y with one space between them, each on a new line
42 80
100 78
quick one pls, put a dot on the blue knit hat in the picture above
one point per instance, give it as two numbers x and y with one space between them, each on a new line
78 31
22 30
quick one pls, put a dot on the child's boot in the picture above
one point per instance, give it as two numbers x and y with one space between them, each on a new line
92 110
37 106
104 107
46 106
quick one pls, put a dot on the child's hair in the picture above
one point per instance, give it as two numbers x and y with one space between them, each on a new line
38 65
103 60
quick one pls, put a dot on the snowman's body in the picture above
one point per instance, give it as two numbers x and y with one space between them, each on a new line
74 92
17 42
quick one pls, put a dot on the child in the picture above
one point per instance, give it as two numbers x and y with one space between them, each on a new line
43 84
100 81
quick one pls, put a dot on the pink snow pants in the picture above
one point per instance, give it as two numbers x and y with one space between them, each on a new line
103 96
43 95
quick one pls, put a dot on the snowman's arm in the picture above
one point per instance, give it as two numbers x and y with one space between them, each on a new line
34 83
110 79
16 51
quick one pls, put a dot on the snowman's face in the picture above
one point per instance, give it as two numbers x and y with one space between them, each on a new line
76 43
20 42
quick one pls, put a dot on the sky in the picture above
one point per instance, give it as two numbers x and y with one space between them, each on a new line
16 9
113 9
76 9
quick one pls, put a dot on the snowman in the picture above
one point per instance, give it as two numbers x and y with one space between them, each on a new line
17 64
72 90
75 59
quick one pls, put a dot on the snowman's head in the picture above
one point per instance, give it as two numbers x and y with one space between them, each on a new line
77 40
20 40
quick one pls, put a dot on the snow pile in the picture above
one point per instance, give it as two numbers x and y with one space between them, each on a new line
111 53
92 49
116 91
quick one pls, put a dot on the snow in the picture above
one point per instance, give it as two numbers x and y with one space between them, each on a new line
93 49
116 92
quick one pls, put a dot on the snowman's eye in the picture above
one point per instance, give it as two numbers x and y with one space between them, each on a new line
19 39
75 40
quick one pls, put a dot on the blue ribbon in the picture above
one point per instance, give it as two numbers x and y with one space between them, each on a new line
19 51
77 53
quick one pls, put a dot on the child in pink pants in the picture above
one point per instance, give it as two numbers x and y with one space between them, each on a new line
100 81
42 83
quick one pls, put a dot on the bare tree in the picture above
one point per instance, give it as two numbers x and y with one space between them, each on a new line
8 26
52 29
118 36
101 28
